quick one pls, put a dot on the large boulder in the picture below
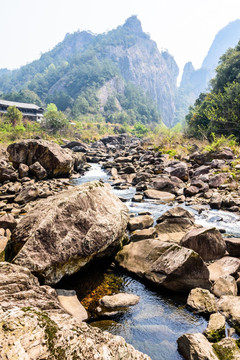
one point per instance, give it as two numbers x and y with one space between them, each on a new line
208 243
66 231
30 333
174 223
196 347
55 160
165 264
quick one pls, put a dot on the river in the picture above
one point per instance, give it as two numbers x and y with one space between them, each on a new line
154 324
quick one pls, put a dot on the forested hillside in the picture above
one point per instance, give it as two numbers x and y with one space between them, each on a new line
218 111
76 73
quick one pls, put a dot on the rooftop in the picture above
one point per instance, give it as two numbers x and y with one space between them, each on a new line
20 105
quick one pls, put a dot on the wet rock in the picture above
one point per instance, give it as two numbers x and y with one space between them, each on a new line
55 160
215 330
164 264
159 195
137 198
66 231
202 301
174 224
225 285
119 300
52 335
69 301
140 222
196 347
233 246
38 170
226 266
208 243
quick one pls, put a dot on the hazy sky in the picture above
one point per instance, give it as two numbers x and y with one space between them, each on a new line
185 27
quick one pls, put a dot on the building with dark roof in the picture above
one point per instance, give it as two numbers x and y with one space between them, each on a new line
29 111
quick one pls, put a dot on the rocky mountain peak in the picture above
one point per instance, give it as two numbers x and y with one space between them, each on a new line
133 24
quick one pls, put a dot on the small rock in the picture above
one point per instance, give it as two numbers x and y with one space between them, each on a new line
226 266
202 301
149 233
225 285
38 170
159 195
140 222
119 300
216 327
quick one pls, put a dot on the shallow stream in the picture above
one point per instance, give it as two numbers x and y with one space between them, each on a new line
154 324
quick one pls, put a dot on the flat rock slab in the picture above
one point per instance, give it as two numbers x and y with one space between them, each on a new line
119 300
64 232
159 195
149 233
226 266
140 222
73 306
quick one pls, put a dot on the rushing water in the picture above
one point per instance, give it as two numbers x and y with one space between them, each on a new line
154 324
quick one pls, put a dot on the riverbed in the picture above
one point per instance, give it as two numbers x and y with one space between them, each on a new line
154 324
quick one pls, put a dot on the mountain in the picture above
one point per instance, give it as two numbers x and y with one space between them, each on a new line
77 72
193 81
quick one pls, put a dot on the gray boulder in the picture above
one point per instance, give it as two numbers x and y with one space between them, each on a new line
196 347
66 231
174 223
202 301
55 160
208 243
164 264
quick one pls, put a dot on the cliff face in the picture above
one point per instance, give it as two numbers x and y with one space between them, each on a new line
146 67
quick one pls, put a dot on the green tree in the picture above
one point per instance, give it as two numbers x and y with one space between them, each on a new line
54 120
13 116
